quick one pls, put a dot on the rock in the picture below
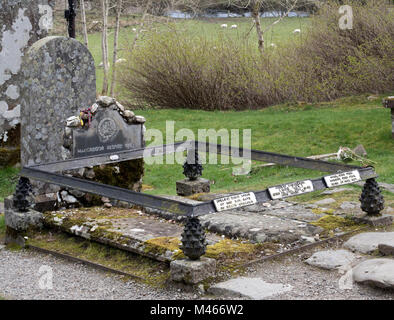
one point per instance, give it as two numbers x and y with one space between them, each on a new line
360 151
368 242
120 107
94 108
68 198
331 259
107 205
252 288
128 114
188 187
376 272
335 190
105 200
89 173
325 201
192 272
20 221
73 122
347 205
105 101
139 119
1 207
386 250
375 221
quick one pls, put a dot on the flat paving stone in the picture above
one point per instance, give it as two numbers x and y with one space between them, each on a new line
368 242
250 225
297 212
331 259
324 202
251 288
335 190
375 272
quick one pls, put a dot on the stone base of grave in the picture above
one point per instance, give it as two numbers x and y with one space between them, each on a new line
192 272
375 221
45 202
17 223
188 187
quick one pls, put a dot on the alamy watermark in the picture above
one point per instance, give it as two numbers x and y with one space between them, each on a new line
224 137
346 19
45 281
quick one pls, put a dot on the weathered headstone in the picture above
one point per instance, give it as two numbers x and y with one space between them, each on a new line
22 22
107 133
59 80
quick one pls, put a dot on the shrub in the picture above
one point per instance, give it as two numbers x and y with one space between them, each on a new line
179 70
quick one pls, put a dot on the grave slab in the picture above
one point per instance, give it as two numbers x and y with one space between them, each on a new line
375 272
250 288
368 242
331 259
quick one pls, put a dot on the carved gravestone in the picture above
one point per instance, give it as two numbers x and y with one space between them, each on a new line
59 80
22 23
104 128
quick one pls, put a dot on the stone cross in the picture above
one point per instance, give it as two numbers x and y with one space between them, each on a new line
59 81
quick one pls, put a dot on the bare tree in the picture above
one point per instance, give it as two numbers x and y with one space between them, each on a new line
116 40
104 46
84 26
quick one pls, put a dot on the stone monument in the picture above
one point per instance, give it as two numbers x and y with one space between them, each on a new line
22 22
59 80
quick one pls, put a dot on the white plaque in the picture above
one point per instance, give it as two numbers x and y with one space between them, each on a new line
236 201
342 178
291 189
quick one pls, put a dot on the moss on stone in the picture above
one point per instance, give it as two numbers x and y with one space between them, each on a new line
323 210
227 248
125 174
160 245
330 222
9 156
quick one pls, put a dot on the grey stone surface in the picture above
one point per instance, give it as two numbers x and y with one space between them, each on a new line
192 272
335 190
376 272
22 23
331 259
325 201
251 288
1 207
107 133
60 80
21 221
348 205
369 241
297 212
188 187
380 220
255 225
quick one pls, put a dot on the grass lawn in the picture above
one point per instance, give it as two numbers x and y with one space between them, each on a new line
280 34
300 130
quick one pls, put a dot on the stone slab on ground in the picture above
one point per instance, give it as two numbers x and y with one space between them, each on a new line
192 272
324 202
368 242
251 288
127 229
375 221
335 190
331 259
376 272
258 227
295 212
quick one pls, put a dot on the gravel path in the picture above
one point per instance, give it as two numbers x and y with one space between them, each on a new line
312 283
20 275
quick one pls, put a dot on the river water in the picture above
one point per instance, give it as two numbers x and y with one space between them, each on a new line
176 14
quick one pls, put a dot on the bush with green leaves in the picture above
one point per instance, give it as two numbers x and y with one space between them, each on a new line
179 70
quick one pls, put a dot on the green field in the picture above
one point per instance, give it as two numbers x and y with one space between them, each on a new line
279 34
300 130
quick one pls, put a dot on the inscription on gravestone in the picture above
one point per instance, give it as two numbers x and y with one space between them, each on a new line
107 133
